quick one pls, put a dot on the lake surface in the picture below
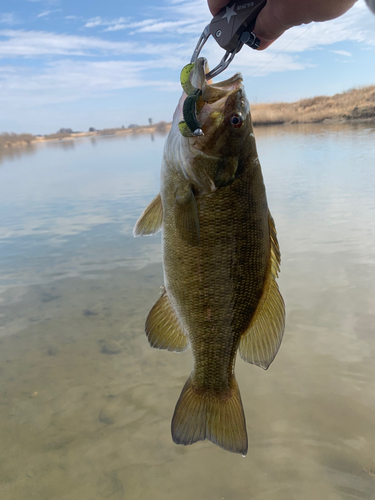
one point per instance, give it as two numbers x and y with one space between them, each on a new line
86 404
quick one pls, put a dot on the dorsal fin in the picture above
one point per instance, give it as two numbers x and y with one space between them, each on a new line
151 219
261 341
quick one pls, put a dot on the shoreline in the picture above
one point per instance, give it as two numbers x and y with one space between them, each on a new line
353 106
158 128
153 129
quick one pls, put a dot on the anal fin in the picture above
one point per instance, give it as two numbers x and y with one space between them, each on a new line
163 328
151 219
261 341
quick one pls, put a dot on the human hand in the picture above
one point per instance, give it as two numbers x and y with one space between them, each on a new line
279 15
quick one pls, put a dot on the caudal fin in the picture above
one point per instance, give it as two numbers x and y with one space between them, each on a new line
217 417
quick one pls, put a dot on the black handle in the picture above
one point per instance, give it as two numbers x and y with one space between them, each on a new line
233 20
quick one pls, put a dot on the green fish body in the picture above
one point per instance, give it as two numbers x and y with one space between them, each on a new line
221 259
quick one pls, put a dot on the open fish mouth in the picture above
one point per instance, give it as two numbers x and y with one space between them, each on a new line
202 96
212 92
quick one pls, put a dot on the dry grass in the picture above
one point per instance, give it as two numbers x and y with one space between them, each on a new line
357 103
58 135
8 140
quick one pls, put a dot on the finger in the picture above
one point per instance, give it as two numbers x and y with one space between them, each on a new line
268 27
216 5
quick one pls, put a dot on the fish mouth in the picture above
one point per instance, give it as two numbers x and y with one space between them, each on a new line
213 97
213 92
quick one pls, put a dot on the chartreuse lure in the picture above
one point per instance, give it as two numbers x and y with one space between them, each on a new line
190 126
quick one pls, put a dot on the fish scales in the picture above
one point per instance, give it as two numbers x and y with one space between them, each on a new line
213 284
220 258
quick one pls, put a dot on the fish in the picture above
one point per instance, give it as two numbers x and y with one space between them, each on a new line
221 259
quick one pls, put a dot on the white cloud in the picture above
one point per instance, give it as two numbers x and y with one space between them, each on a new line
8 18
189 25
49 2
139 24
98 21
44 14
160 27
357 25
195 10
69 80
48 12
22 43
342 53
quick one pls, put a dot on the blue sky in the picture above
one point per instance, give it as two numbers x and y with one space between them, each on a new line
91 63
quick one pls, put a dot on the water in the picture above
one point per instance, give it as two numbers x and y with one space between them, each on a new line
86 404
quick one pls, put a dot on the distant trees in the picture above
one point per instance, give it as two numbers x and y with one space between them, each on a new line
10 139
161 127
92 129
65 131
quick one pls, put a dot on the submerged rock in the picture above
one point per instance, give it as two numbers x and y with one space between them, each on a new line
106 417
109 347
52 350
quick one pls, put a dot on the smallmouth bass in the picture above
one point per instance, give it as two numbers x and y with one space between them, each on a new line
221 260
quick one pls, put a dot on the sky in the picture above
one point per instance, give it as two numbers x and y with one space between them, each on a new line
93 63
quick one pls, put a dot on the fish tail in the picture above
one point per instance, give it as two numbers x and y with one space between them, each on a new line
218 417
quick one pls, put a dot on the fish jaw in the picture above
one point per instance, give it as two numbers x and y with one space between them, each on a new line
214 95
201 160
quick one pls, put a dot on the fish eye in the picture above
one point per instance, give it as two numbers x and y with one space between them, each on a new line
236 120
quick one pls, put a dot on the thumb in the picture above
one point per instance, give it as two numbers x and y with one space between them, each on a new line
268 27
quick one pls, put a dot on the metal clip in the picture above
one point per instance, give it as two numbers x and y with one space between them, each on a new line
226 60
232 29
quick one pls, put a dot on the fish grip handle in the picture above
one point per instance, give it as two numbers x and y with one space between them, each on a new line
231 28
237 18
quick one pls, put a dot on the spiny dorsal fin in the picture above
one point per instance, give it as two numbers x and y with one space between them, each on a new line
186 216
163 328
151 220
260 343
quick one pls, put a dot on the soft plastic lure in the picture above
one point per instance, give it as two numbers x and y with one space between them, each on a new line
190 126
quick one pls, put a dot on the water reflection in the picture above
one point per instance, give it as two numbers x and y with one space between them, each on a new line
64 144
13 153
86 403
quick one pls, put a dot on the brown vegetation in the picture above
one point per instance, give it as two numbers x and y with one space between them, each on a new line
355 104
9 140
161 127
58 135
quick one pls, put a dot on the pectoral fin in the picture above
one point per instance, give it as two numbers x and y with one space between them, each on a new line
186 216
163 328
260 343
151 220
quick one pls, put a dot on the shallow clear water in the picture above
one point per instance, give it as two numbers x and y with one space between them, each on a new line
86 404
